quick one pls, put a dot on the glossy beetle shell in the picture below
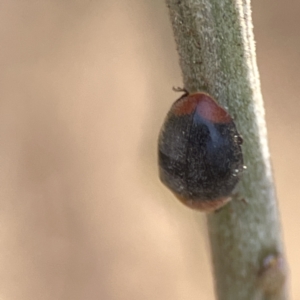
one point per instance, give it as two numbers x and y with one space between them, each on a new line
199 152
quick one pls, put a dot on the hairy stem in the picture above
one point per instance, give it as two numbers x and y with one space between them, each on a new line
217 55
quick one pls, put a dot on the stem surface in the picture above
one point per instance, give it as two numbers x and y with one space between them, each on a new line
217 55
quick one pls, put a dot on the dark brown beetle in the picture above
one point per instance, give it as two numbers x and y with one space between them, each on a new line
199 152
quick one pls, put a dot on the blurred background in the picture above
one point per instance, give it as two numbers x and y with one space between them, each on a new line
84 88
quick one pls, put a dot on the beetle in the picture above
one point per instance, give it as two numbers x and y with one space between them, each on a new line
199 152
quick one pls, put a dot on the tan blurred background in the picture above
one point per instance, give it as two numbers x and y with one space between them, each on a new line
84 87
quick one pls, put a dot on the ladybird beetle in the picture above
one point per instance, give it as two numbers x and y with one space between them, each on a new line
199 152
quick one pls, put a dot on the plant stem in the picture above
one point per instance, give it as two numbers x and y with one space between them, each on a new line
217 55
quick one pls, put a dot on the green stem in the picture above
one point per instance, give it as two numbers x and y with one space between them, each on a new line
217 55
